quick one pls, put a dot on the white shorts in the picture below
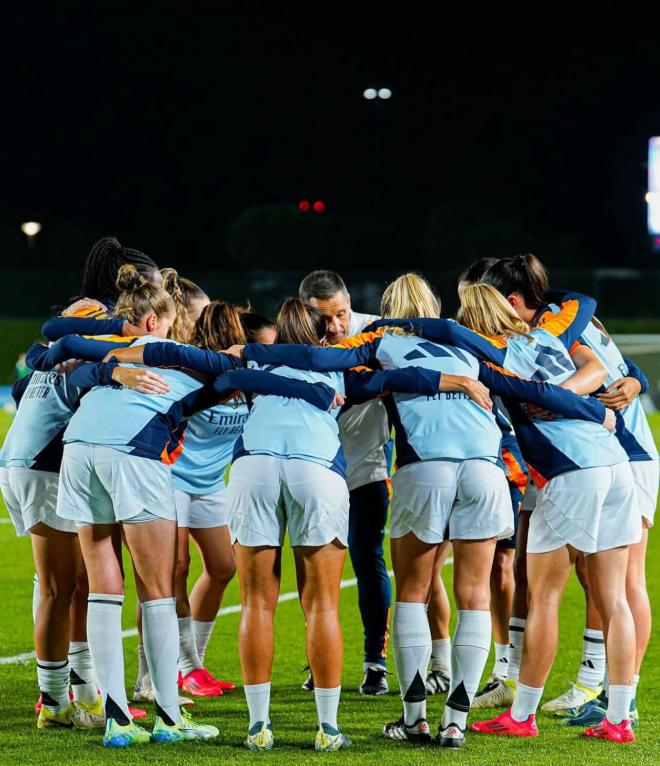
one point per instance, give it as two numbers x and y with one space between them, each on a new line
440 499
31 498
647 475
101 485
267 494
201 511
592 509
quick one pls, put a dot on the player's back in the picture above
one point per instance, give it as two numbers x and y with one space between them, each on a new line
447 426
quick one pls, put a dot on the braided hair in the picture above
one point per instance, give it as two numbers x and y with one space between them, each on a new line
105 259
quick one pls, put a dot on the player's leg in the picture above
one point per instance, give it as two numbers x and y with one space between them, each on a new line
367 520
638 600
438 678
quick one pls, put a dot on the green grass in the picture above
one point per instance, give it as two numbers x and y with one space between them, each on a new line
293 710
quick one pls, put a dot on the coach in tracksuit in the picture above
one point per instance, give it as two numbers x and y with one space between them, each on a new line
365 437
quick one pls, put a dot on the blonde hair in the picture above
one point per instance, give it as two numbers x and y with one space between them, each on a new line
409 296
486 311
184 292
139 297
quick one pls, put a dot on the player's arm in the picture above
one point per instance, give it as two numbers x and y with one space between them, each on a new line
89 375
363 384
319 395
18 389
58 326
450 332
178 355
590 372
545 395
575 313
324 359
44 358
624 391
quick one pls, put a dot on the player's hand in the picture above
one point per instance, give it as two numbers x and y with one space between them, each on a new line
621 393
338 401
610 420
236 351
478 393
139 379
83 303
67 366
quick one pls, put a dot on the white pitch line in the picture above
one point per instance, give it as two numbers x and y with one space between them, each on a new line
22 659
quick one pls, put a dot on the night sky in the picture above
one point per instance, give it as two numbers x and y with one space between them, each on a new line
163 121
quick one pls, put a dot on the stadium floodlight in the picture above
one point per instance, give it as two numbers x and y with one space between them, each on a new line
384 93
370 94
653 194
30 228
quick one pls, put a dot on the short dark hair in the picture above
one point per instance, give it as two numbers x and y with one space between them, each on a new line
253 324
476 270
524 274
321 285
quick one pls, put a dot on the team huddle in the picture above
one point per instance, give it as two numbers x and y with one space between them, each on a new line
513 437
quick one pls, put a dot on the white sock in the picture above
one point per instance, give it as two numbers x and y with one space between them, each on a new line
202 631
53 684
35 596
501 665
592 667
160 631
468 658
105 646
606 682
525 702
516 638
441 655
144 677
188 657
411 638
82 676
635 685
618 703
258 701
327 703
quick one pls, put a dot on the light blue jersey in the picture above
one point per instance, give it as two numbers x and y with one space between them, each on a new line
447 426
208 448
34 439
132 422
570 444
292 428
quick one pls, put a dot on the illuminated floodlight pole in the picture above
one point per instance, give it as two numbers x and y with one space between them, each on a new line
653 193
376 95
30 229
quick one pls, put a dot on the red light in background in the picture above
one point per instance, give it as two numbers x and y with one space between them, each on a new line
304 206
319 206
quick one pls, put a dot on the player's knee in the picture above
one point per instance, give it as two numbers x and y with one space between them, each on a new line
222 571
501 574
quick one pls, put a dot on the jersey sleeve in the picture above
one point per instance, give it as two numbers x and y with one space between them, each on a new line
546 395
89 374
18 389
44 358
575 313
363 385
636 372
452 333
197 359
58 326
358 351
319 395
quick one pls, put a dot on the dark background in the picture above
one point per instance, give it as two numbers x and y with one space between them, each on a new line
192 129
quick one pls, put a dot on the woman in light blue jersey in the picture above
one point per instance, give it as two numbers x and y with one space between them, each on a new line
31 457
523 280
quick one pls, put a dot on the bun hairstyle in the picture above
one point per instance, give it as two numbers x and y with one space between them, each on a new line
523 274
218 327
183 292
105 259
409 296
486 311
138 297
297 322
475 271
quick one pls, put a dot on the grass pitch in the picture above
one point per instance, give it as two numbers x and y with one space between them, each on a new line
293 712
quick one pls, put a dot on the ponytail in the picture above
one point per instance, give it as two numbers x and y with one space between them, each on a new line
297 322
523 274
138 297
487 312
218 327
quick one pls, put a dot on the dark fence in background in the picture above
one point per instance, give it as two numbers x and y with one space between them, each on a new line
622 293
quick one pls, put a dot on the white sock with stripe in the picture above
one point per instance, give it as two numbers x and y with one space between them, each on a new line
53 684
82 676
160 631
516 638
188 657
501 664
592 667
202 631
411 639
